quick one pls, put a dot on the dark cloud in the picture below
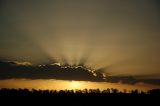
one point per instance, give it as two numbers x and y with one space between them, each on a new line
132 80
10 70
49 71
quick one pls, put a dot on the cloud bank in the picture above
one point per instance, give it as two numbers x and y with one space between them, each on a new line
9 70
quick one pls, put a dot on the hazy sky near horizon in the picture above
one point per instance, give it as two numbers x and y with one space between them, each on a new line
122 36
71 85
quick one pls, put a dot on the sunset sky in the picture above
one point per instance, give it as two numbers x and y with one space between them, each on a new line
108 43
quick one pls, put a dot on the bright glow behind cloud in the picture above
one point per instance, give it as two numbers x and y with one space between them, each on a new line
124 40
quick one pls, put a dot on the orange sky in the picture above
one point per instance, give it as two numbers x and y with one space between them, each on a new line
120 36
62 85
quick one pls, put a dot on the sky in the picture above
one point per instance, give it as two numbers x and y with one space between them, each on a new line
116 38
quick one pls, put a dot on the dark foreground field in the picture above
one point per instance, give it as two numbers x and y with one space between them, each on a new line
80 97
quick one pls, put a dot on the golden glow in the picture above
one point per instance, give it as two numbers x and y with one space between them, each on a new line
63 84
75 85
